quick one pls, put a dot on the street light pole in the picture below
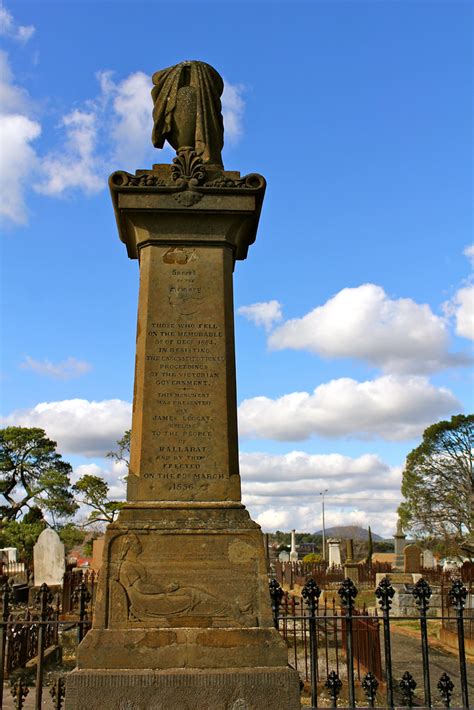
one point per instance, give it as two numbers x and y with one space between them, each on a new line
322 494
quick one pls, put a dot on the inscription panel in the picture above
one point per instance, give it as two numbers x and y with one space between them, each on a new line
185 358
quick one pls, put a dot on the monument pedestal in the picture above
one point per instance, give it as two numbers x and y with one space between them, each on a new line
182 616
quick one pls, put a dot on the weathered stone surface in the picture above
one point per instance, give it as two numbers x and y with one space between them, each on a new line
412 554
182 616
334 553
48 559
231 689
97 553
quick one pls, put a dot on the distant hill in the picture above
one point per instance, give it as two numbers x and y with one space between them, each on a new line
349 531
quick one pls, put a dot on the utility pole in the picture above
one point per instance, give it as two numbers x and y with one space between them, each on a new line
322 494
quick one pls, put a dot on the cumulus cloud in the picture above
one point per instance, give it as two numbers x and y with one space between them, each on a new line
10 28
18 158
75 166
114 475
397 335
463 309
469 252
233 106
78 425
65 370
392 407
266 313
361 491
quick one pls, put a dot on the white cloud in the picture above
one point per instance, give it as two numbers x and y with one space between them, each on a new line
233 106
75 165
65 370
266 313
9 28
108 133
400 336
469 252
114 475
463 308
391 407
18 158
283 491
78 425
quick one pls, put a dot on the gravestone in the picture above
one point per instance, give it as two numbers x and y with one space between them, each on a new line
284 556
334 552
48 559
412 555
428 560
182 616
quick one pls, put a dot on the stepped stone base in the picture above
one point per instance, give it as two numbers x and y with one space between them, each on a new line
193 689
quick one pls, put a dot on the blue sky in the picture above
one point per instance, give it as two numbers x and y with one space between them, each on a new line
354 319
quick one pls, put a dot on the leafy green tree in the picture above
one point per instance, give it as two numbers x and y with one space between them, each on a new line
370 547
438 483
123 451
94 492
23 536
33 474
71 536
313 557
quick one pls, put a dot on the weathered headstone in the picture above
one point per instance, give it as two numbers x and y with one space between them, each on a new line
428 560
412 555
48 559
334 552
182 616
284 556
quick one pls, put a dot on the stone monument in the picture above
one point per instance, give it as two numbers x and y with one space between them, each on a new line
412 555
334 546
293 553
182 618
400 544
49 563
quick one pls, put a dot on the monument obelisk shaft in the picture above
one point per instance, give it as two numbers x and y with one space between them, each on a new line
182 618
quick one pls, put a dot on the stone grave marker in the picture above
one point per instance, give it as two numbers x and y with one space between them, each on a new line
334 552
48 559
428 560
412 555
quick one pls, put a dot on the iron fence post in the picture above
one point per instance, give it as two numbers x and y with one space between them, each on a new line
407 686
422 594
348 592
370 685
58 692
19 692
43 599
458 595
311 593
276 595
334 685
6 597
446 687
81 594
384 594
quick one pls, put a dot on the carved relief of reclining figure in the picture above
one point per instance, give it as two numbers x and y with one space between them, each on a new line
148 600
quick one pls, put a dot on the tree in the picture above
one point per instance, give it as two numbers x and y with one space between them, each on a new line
123 452
22 535
370 547
438 483
33 474
94 492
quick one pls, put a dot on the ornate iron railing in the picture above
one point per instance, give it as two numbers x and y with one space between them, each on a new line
379 685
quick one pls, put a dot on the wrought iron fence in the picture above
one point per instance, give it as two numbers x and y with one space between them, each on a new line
26 637
312 629
379 684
